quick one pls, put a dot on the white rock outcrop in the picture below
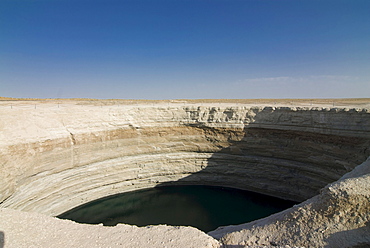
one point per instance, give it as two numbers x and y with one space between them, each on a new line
56 157
338 217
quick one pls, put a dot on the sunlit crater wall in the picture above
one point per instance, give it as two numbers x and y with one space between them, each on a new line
56 158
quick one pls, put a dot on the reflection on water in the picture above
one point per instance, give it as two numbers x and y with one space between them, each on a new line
204 207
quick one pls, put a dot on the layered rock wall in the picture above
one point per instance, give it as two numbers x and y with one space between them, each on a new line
56 158
337 217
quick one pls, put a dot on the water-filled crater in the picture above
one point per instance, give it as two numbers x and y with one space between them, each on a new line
203 207
88 153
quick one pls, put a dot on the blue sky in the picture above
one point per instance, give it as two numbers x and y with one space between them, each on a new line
176 49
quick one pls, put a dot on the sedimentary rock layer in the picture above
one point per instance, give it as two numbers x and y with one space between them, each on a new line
56 158
338 217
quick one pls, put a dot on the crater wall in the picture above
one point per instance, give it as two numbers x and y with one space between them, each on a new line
56 157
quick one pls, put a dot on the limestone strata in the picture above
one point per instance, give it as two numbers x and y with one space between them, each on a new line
338 217
56 158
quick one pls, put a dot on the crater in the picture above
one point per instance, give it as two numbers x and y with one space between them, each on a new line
55 159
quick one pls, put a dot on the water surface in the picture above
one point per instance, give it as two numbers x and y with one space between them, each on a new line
204 207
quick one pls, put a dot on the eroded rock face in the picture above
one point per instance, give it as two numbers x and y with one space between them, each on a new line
54 158
338 217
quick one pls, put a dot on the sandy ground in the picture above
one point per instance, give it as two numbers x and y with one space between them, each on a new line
24 104
30 230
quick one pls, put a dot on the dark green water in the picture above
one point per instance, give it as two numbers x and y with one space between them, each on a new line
204 207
